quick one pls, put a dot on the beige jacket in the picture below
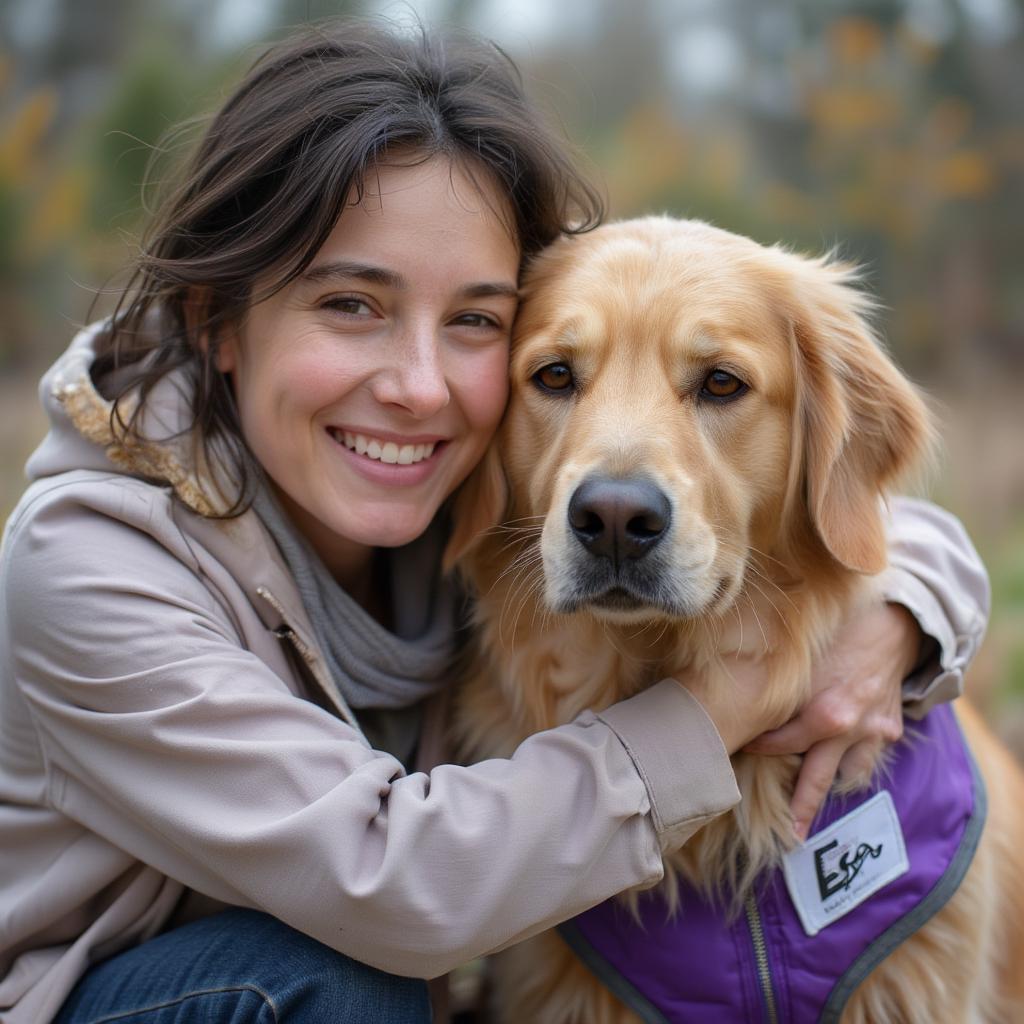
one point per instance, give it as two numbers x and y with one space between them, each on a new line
169 743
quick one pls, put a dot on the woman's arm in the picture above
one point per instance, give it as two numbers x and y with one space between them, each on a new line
935 573
903 656
168 739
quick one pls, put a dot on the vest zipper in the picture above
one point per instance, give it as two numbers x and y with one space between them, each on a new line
764 974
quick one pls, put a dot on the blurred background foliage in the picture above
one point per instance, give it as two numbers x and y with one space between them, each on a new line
889 129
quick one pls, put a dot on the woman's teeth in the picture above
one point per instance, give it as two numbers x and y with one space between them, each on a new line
384 451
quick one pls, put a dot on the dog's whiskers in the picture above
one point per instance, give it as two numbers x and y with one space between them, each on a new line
524 583
757 619
532 587
768 581
513 571
778 615
739 622
517 571
508 545
508 524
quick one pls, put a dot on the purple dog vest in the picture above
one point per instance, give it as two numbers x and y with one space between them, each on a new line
797 954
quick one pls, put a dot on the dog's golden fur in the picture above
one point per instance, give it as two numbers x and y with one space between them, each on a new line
776 533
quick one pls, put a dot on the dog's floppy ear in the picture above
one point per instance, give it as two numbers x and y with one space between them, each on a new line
479 505
863 424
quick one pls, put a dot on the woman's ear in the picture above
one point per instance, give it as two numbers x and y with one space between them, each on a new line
863 424
478 507
196 312
225 355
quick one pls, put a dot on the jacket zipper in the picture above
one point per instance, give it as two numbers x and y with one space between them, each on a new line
764 974
309 657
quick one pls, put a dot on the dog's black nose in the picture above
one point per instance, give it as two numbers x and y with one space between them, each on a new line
619 519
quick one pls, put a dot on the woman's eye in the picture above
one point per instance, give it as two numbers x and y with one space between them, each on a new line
554 377
348 306
721 384
476 320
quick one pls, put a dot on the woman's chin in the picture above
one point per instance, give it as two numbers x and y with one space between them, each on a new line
384 526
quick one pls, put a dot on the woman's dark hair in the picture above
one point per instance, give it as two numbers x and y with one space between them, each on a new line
270 177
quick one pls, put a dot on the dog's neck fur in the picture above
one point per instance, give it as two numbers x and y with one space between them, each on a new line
577 662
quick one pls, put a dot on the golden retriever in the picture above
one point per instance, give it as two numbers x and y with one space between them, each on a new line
733 398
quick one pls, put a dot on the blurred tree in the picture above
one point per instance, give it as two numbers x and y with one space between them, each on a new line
298 12
890 126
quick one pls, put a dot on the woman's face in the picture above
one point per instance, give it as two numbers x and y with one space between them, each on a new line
369 387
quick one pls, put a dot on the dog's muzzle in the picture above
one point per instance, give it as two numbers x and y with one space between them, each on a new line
619 520
618 552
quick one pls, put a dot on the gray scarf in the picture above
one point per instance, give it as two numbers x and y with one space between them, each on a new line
376 669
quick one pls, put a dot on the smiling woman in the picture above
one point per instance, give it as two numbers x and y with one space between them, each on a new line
226 636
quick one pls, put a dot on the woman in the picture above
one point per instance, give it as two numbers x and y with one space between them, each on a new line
223 628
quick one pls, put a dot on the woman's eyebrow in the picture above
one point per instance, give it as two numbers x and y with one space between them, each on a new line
361 271
486 289
347 270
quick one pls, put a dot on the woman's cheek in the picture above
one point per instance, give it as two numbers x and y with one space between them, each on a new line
315 377
490 395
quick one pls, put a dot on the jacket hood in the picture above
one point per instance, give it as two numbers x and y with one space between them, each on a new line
83 435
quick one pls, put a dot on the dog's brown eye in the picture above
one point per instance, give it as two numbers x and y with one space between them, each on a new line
719 384
554 377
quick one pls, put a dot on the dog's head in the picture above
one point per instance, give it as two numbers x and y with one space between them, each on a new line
681 398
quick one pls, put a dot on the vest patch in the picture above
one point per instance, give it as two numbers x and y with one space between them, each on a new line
842 865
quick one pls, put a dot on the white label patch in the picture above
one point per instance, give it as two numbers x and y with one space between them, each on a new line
840 867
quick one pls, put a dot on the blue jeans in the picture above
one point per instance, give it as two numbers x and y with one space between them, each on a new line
241 967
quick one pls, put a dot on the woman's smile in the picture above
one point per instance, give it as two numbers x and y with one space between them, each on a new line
386 460
386 447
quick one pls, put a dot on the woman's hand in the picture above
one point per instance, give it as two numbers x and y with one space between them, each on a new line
855 707
737 709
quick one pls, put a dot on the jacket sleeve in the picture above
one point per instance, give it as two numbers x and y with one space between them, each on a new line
163 735
935 572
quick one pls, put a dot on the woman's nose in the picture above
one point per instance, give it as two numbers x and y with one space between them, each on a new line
414 378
